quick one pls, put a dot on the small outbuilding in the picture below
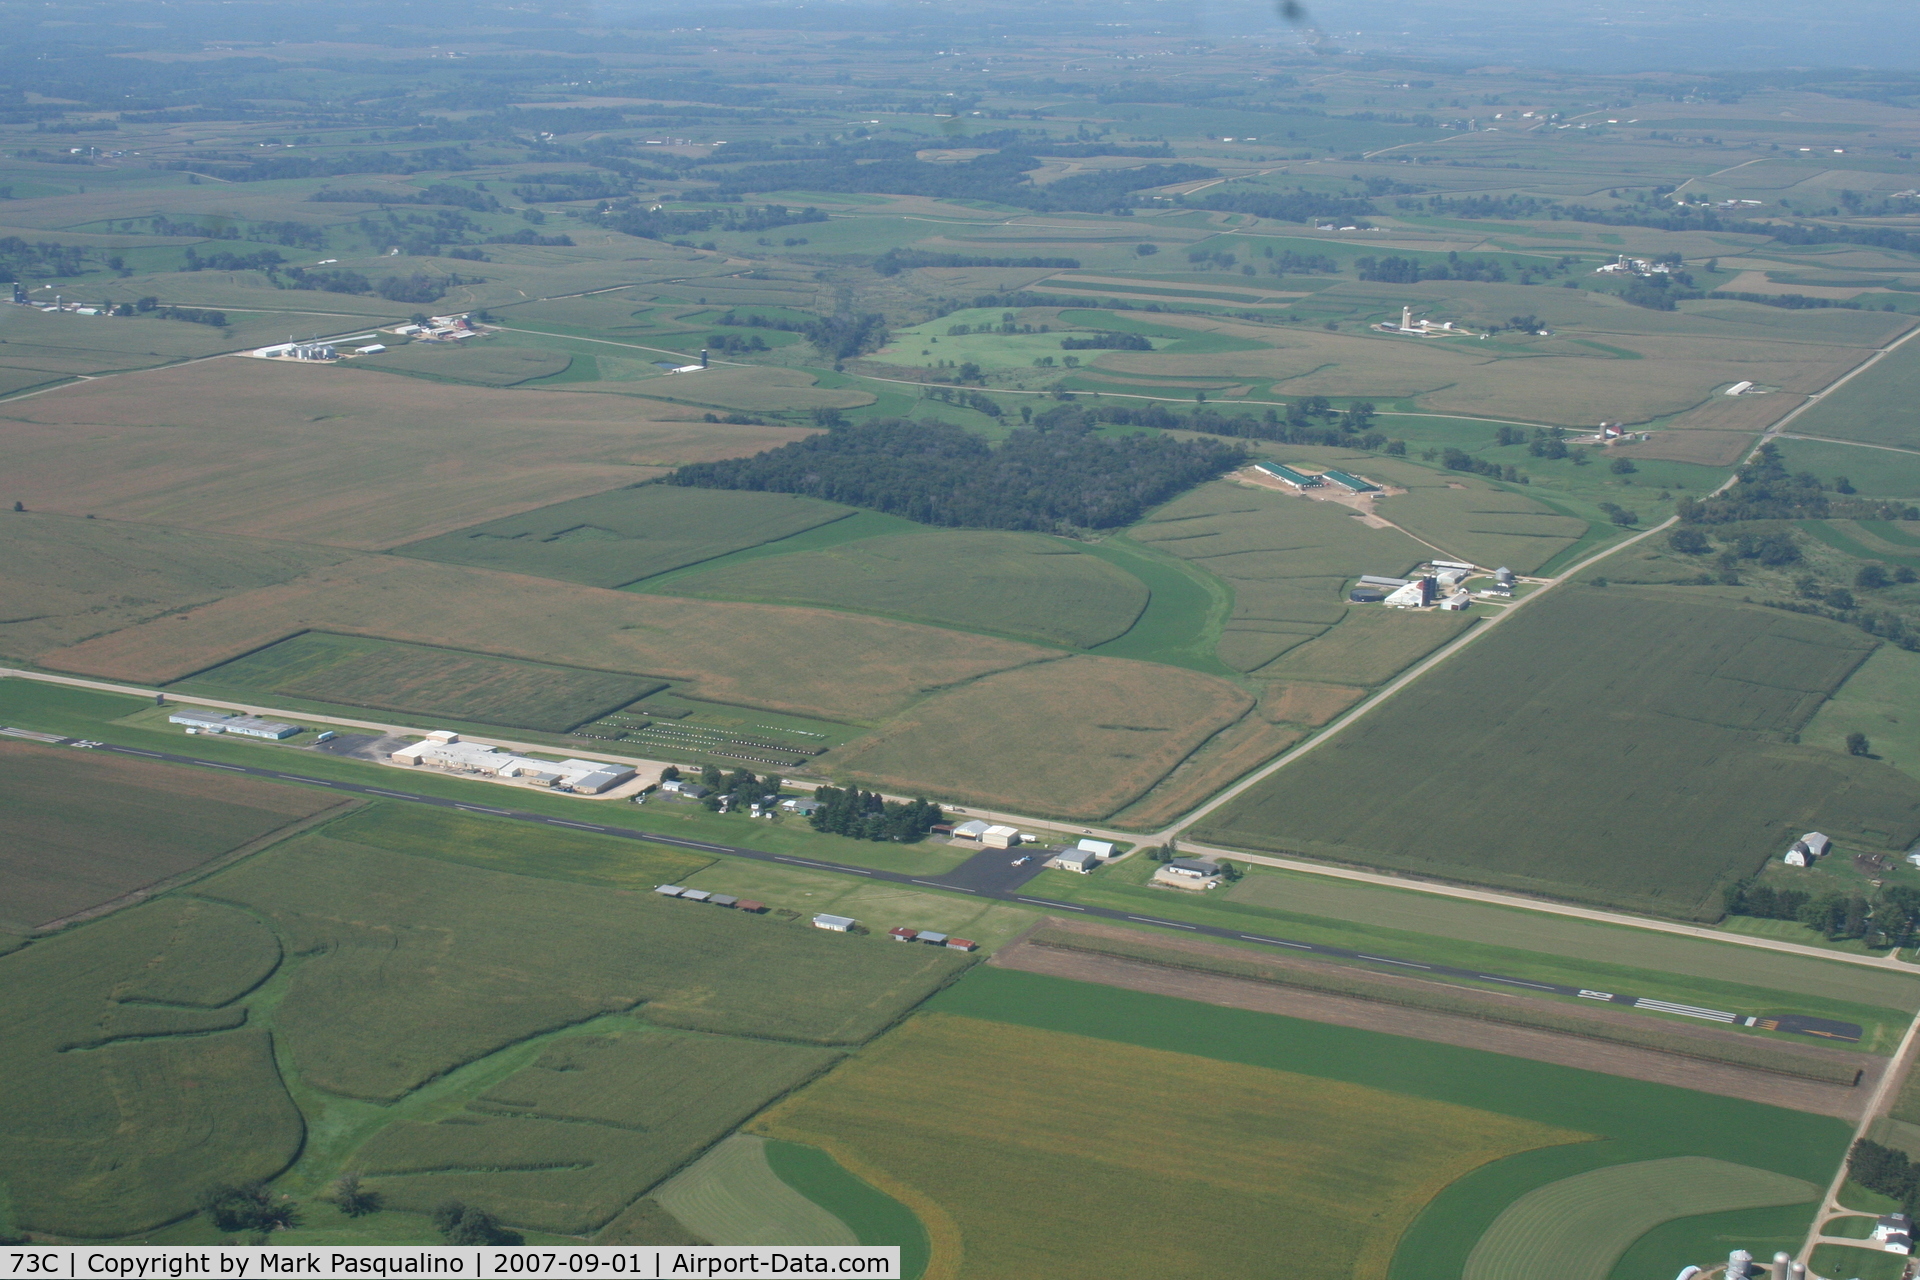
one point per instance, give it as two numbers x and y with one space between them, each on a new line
670 890
1074 860
835 924
724 900
900 933
1808 849
696 895
749 905
960 944
1192 868
932 939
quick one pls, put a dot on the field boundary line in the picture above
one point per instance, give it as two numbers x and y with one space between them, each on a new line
1779 428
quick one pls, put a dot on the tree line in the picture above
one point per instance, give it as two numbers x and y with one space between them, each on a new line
894 261
1763 489
1051 477
1888 919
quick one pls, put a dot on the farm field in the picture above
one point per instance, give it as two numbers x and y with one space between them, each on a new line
732 1195
744 654
388 676
1025 738
612 539
67 578
1877 473
1870 702
1873 408
1697 733
423 1029
1021 584
74 838
632 1107
1326 1171
491 364
324 455
857 1109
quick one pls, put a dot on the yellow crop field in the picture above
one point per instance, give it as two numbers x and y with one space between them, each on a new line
1079 737
760 655
333 456
1175 1166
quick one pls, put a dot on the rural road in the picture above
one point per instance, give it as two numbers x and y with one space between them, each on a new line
995 882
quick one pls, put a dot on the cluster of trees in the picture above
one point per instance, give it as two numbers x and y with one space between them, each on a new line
446 193
863 815
264 260
1889 919
1692 218
1396 270
734 344
1107 342
1503 207
1791 301
842 337
894 261
527 235
39 259
1764 490
1310 420
1298 205
1000 177
251 1208
735 320
150 306
418 287
1050 477
738 789
1287 262
237 167
1885 1170
1460 460
969 399
663 224
460 1223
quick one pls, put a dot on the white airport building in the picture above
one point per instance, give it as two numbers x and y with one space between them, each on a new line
445 750
230 722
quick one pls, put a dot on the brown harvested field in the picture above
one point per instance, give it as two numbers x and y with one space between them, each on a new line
1308 704
811 661
1239 750
1078 737
1709 448
1420 1024
81 829
1738 413
334 456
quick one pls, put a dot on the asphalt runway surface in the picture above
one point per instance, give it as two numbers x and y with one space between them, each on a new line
992 874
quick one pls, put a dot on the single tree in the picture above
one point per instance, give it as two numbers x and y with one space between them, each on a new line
1905 573
1622 466
1689 542
1871 577
1857 744
19 506
353 1199
465 1224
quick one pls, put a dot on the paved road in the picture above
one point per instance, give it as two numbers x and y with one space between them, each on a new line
991 874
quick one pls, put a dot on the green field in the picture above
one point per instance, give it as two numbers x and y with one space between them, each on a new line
517 847
1857 1264
874 1216
491 364
77 831
569 1142
732 1195
1584 783
1014 583
1634 1121
1875 407
1876 473
1328 1172
1873 701
387 675
612 539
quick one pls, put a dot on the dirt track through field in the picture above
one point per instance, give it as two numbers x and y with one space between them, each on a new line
1470 1033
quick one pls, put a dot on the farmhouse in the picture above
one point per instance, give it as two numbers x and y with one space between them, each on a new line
226 722
1298 479
1808 849
837 924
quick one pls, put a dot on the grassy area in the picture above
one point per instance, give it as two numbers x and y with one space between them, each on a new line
1541 755
1699 1240
357 671
1359 983
1186 608
79 832
486 363
1326 1171
1876 473
612 539
1874 701
1020 584
1532 947
1857 1264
